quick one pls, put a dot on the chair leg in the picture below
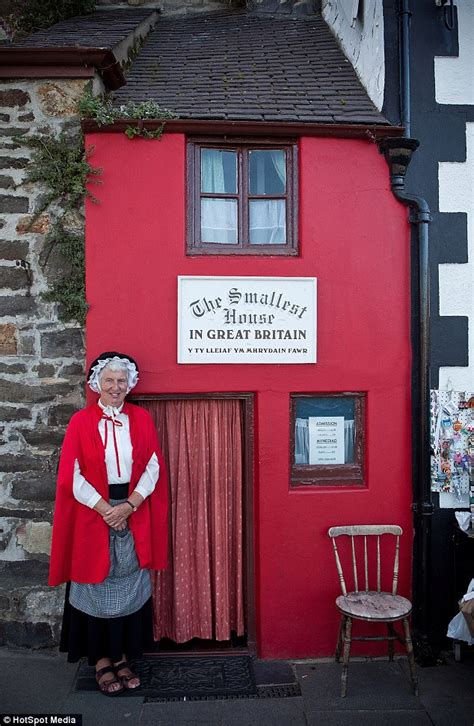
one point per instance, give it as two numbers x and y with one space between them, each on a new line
410 655
340 637
391 642
345 658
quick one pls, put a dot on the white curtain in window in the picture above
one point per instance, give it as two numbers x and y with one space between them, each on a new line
219 221
260 180
267 221
212 171
279 162
302 441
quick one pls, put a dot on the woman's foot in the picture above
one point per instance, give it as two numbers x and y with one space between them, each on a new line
127 678
106 678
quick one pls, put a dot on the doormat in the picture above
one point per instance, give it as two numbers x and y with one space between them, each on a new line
184 678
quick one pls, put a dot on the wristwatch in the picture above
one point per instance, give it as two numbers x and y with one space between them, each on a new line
134 509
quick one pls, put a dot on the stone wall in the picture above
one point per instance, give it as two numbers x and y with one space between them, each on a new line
41 367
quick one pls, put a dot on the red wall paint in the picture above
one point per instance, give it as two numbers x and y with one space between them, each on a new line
354 239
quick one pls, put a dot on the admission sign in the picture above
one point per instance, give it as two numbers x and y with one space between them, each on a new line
326 439
246 319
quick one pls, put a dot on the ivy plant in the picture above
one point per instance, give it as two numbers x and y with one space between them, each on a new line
102 110
22 17
61 165
68 290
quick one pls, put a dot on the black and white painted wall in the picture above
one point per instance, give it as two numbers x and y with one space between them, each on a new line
442 171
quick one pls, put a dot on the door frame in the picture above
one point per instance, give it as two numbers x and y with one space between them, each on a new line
248 534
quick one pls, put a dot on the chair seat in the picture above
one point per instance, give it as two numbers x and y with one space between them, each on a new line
372 605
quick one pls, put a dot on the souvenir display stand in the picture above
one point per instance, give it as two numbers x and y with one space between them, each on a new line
452 472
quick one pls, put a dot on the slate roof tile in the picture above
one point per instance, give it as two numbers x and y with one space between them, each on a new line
239 65
100 29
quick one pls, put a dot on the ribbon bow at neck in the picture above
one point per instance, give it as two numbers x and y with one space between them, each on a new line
115 422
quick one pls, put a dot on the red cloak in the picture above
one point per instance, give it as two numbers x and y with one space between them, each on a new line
80 545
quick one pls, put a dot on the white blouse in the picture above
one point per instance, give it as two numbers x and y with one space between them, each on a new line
84 492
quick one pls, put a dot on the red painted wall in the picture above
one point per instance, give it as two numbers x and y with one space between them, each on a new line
354 239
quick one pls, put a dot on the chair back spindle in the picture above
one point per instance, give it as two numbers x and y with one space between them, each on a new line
339 568
396 566
366 533
379 565
366 565
354 565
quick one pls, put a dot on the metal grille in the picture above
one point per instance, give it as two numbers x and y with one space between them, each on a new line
292 690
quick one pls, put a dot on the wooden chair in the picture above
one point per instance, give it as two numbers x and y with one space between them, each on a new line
370 603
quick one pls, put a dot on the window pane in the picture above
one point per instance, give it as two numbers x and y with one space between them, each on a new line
219 221
324 431
218 171
267 222
267 172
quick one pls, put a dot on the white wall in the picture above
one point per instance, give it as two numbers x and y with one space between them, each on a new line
361 39
455 76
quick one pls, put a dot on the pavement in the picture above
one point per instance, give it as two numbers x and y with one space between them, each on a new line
379 694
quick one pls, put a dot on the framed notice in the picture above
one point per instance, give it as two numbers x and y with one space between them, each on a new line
246 319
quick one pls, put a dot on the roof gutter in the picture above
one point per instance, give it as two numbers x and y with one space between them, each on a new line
72 61
216 127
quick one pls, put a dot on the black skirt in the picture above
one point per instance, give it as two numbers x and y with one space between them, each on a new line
83 635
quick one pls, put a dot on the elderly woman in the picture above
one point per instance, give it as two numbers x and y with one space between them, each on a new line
110 526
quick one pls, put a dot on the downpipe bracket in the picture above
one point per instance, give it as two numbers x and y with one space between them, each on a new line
423 509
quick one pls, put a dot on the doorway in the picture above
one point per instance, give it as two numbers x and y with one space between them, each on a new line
204 600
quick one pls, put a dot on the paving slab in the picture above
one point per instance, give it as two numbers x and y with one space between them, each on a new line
264 712
183 712
99 709
34 682
368 718
376 685
452 679
447 691
450 711
274 672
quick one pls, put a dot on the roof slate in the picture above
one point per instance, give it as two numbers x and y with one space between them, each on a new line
101 29
236 65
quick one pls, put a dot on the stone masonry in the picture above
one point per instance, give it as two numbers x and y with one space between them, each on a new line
41 367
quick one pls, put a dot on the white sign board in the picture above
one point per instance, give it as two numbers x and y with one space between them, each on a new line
246 319
326 440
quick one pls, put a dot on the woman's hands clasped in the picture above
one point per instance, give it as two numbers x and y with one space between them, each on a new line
116 517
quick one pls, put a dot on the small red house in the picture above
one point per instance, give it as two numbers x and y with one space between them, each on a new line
256 264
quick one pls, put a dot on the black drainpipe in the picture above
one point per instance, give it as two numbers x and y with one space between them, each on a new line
398 153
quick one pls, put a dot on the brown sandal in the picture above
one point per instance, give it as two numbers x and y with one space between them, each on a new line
126 678
104 686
